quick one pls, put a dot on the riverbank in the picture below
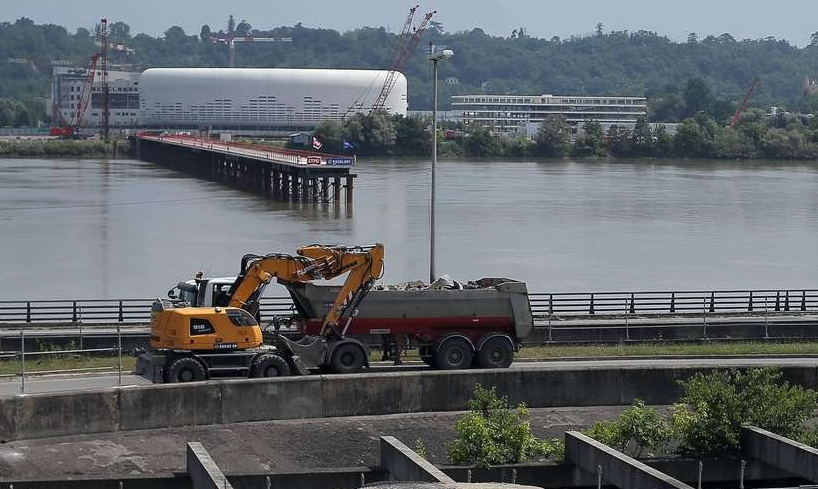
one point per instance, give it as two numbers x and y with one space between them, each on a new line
52 148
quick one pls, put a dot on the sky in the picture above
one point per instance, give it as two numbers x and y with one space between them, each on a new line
793 20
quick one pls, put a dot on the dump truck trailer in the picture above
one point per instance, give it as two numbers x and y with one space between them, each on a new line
451 328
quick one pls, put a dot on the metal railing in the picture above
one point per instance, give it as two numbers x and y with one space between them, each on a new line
22 356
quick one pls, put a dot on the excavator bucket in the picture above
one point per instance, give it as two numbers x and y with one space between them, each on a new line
306 354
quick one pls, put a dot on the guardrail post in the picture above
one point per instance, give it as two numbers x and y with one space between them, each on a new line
701 469
803 300
712 301
74 312
766 327
119 351
704 319
633 305
22 361
750 305
787 300
672 302
777 300
80 327
121 315
28 312
550 304
591 310
627 331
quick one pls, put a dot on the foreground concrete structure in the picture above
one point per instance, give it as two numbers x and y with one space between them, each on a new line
202 470
781 452
327 396
402 463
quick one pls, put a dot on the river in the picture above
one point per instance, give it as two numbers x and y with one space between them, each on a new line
97 229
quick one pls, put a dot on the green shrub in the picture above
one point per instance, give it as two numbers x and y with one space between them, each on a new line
708 419
492 433
638 431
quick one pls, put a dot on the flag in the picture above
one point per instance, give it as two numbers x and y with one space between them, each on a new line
316 143
348 145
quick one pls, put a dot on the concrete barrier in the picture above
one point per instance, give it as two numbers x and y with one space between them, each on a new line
243 400
781 452
45 415
264 399
163 406
403 464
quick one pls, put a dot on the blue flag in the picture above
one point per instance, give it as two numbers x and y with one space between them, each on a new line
348 145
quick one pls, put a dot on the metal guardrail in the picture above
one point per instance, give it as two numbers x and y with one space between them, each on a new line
543 305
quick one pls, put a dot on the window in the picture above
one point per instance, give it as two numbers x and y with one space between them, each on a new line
200 326
240 317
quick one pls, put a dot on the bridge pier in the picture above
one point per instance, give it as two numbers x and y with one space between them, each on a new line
281 175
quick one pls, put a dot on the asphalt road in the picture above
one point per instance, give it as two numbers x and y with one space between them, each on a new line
59 383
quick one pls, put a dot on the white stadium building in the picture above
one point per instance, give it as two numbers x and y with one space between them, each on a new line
266 99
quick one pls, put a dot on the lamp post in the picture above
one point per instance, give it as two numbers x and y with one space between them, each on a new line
434 58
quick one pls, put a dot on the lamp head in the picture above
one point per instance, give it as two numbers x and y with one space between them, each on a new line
446 53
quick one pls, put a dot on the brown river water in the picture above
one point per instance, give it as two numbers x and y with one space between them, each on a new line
108 229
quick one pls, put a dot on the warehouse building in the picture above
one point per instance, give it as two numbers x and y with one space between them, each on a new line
515 114
248 100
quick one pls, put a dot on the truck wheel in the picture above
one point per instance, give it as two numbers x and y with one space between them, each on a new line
453 354
495 353
269 365
186 369
348 358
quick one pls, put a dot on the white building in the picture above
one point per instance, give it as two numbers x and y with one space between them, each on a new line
514 113
123 96
274 99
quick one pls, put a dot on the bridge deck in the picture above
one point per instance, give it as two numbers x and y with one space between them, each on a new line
281 156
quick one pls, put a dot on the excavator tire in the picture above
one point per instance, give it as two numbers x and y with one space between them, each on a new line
348 358
454 354
269 365
186 369
495 353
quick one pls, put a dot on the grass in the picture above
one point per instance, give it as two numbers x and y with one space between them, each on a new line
45 363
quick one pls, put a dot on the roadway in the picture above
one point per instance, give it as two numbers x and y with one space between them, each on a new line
62 383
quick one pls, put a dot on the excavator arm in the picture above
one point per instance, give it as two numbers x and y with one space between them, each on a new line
364 264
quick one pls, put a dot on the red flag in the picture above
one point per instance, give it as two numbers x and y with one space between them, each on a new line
316 143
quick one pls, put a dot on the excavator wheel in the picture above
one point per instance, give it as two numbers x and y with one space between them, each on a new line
496 352
269 365
348 358
453 354
186 369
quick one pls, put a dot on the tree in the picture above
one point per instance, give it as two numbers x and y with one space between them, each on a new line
330 133
641 139
481 142
691 141
82 33
231 24
243 29
698 96
814 39
590 142
175 35
120 31
599 30
553 137
692 38
412 138
205 33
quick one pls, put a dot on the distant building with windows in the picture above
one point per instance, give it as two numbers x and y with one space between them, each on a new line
505 114
123 96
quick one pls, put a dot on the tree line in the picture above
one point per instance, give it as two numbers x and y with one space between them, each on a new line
604 63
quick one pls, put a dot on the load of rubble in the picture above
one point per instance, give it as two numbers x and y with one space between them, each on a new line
444 283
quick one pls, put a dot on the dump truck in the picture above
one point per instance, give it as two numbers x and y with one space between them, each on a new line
451 328
210 327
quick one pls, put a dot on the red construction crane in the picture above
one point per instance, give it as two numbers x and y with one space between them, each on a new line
106 109
406 46
743 104
71 128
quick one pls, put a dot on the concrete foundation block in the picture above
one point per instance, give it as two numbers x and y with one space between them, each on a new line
73 413
269 399
403 464
169 405
8 421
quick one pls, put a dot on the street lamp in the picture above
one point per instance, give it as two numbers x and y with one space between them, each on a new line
434 58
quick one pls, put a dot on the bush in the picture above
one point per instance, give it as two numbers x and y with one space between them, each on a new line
638 428
493 433
707 421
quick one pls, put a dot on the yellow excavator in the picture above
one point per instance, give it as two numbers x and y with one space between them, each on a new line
198 343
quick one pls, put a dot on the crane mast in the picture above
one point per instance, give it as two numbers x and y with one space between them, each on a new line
743 106
406 45
104 75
